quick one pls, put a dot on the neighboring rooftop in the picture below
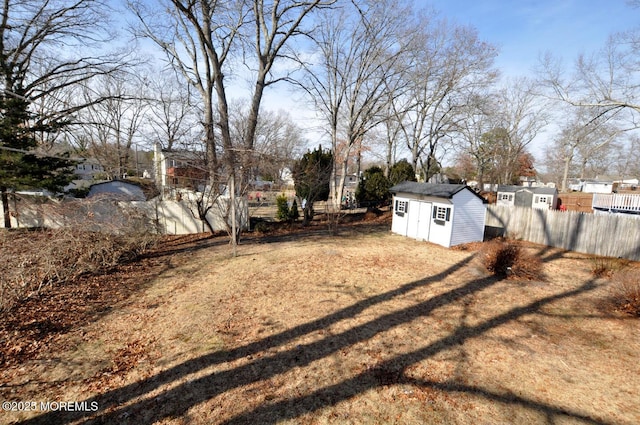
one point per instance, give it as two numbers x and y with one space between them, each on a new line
432 189
538 190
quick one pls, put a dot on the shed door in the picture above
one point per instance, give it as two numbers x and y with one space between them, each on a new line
419 220
524 198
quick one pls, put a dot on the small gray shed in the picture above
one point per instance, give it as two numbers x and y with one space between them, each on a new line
445 214
530 197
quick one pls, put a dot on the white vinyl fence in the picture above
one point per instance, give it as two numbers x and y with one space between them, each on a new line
163 217
611 235
623 202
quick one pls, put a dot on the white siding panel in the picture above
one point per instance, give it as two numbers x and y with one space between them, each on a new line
469 217
440 231
419 220
399 222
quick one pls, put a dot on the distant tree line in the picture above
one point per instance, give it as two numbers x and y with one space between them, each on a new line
409 84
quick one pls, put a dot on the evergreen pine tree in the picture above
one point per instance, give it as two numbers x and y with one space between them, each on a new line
20 165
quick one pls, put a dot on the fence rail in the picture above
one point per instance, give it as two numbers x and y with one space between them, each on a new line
607 235
617 202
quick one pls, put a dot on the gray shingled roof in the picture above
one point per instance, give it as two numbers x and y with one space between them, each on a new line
536 190
431 189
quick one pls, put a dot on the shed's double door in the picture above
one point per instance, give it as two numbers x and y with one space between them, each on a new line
419 220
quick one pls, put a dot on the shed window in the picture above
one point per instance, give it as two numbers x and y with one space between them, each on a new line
441 214
506 197
401 207
541 200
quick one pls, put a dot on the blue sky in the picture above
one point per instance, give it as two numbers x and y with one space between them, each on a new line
523 29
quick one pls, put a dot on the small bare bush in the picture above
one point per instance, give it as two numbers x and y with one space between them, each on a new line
88 236
606 266
625 295
507 259
261 227
35 259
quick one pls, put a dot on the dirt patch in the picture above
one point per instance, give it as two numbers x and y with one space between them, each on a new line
361 327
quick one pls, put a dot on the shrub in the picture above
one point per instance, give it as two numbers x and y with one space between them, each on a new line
33 259
294 214
506 259
282 212
373 188
606 266
626 291
261 227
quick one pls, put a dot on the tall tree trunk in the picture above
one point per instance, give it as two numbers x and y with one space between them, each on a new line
333 187
359 160
565 174
414 163
249 141
5 207
210 141
480 178
340 186
388 159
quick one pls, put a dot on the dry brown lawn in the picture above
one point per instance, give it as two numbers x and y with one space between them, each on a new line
361 328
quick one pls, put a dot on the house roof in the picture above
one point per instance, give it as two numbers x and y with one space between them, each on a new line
537 190
544 190
508 188
120 189
432 189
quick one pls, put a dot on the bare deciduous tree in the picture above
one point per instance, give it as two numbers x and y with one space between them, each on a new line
603 86
357 52
45 49
522 115
200 38
278 141
450 63
113 125
172 113
604 81
471 144
579 140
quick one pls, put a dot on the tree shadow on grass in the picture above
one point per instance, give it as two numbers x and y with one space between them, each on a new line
123 404
392 371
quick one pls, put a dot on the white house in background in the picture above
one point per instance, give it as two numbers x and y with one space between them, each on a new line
88 169
177 169
531 197
599 186
444 214
604 184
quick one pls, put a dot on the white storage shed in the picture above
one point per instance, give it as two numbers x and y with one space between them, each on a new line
531 197
445 214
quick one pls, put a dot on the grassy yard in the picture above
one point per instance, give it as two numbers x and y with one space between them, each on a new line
361 328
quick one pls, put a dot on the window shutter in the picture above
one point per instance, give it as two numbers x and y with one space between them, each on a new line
448 214
434 210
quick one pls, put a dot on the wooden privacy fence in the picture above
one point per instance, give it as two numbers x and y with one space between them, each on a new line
608 235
